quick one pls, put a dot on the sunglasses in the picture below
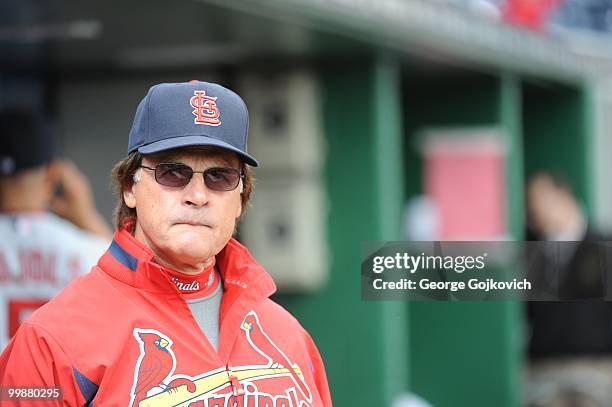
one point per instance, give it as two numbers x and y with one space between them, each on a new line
179 175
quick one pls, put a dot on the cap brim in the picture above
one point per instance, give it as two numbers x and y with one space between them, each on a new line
185 141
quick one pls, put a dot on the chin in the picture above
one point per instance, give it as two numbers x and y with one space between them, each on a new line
193 247
190 234
189 251
190 244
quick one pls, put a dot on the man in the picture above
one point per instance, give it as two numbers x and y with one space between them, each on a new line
570 341
176 312
40 252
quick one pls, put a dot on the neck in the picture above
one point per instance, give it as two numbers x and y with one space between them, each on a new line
24 193
195 286
188 269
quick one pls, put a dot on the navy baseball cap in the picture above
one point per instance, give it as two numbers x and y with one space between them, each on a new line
194 113
26 141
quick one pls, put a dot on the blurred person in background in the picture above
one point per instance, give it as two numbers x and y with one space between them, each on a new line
570 341
40 251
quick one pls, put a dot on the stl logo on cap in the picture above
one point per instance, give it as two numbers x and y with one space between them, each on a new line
205 109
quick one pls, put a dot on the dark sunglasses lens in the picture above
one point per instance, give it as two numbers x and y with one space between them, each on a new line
173 175
221 179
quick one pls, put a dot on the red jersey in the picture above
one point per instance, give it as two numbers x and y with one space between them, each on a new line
124 335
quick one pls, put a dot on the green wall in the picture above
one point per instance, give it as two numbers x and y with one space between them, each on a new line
364 344
558 134
466 354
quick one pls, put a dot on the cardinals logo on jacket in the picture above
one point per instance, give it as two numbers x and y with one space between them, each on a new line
156 384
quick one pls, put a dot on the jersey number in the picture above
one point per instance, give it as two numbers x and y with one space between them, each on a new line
19 310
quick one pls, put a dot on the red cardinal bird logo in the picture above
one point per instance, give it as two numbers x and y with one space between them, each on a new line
155 364
262 343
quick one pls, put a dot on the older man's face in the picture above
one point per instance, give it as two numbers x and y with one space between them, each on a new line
185 226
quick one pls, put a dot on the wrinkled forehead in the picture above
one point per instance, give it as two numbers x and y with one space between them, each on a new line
195 154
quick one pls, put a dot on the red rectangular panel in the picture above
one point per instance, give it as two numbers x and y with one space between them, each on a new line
464 177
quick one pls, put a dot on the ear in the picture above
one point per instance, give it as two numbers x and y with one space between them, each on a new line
239 209
129 196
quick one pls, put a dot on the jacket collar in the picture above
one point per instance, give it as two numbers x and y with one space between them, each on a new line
130 261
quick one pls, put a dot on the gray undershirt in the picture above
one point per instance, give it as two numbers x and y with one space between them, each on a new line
205 310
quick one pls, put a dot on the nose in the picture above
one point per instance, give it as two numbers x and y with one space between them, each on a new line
196 193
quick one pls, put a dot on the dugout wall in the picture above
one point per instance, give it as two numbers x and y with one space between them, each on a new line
470 350
559 136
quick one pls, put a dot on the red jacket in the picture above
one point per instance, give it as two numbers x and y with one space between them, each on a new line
123 335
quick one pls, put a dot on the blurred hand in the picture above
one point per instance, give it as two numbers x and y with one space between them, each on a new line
76 203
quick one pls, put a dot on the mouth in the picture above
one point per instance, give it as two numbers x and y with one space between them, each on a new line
193 223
